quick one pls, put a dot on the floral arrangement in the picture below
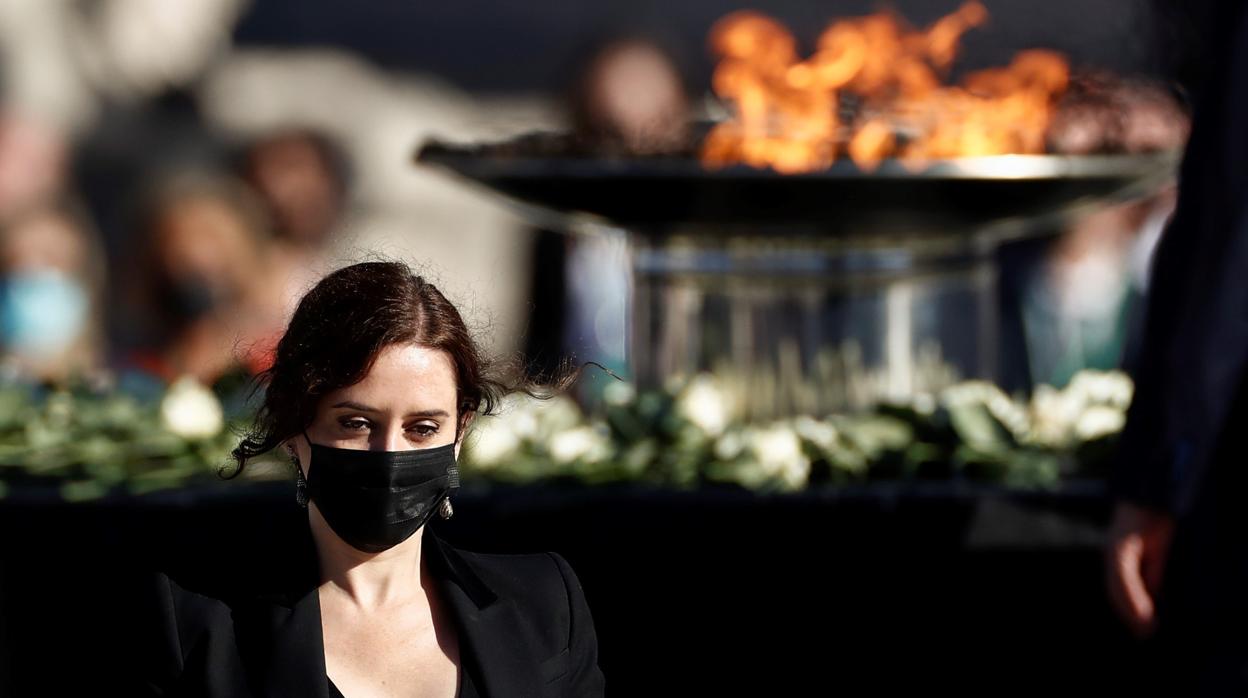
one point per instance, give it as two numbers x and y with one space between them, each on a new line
694 435
88 442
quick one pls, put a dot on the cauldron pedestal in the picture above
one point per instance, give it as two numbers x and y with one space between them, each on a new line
812 292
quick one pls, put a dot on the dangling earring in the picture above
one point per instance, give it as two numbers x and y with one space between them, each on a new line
301 489
445 510
301 483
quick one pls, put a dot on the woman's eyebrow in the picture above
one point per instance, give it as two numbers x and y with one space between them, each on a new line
350 405
428 413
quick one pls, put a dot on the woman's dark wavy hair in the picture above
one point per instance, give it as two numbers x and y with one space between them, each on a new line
335 335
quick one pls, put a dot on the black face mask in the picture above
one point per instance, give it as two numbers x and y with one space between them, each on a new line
375 500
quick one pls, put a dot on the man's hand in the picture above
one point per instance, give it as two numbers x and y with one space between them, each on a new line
1139 542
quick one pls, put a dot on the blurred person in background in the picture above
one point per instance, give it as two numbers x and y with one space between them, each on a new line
1079 298
1079 303
51 285
303 179
52 269
1177 554
33 162
630 98
204 300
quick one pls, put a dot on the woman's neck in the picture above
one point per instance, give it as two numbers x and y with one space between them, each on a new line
369 581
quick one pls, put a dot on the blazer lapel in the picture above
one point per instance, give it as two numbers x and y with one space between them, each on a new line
489 627
282 647
279 631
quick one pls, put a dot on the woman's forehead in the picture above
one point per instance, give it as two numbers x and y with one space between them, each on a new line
404 376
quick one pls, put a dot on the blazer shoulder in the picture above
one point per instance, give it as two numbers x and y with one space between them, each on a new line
185 608
181 594
533 577
550 594
168 627
546 590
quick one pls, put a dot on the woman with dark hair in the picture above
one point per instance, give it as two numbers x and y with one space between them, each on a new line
373 386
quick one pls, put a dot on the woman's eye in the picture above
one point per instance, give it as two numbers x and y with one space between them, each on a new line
425 429
353 424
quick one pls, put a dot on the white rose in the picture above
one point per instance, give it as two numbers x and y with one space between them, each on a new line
1002 407
729 445
556 414
820 433
581 443
1053 415
1098 421
618 393
704 403
923 403
519 412
778 451
1112 388
191 411
493 441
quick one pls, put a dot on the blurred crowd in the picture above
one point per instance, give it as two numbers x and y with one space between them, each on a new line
166 197
219 259
211 261
123 268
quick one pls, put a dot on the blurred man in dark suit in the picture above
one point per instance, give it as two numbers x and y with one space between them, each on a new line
1177 563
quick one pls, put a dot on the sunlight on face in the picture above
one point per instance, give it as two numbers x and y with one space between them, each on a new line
406 401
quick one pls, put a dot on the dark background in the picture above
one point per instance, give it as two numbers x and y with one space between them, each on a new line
497 45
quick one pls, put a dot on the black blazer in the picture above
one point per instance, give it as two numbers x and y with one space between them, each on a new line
523 624
1194 352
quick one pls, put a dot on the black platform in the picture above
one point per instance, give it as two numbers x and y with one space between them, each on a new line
860 591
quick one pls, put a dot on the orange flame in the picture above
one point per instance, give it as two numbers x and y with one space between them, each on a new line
787 108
